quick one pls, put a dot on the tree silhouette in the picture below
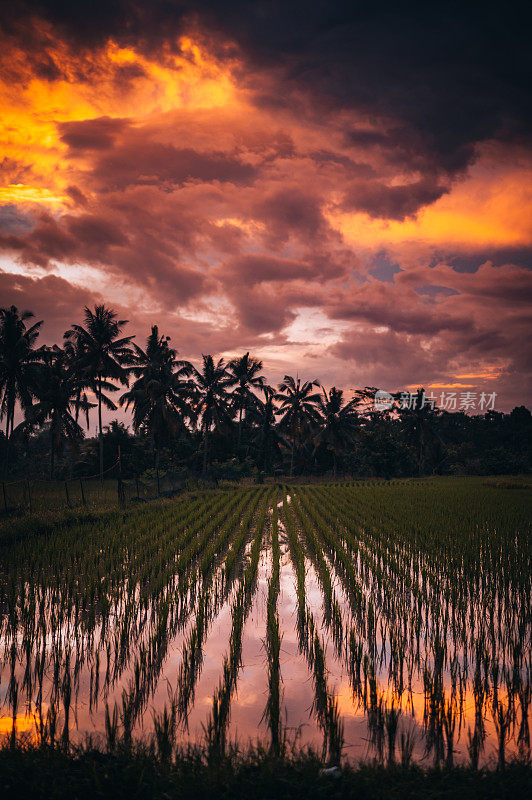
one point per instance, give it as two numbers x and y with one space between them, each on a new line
160 395
52 387
57 401
267 436
212 402
298 410
338 423
244 376
420 430
73 352
18 367
102 357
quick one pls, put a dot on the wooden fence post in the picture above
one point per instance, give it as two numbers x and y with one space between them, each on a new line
4 493
67 495
137 484
82 492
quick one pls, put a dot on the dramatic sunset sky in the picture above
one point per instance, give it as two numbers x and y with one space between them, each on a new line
345 189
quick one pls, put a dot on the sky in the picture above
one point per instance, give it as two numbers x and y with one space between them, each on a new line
344 189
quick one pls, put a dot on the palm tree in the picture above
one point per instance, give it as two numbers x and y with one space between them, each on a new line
267 437
102 357
212 401
244 375
161 392
338 422
73 351
418 425
57 401
298 409
18 368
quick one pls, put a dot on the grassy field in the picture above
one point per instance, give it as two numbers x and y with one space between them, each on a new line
375 622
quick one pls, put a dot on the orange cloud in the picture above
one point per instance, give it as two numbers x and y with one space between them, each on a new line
114 82
489 207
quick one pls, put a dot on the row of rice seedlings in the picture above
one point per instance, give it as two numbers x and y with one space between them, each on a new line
447 599
166 723
59 599
220 544
241 534
441 724
229 518
377 595
344 563
376 715
484 545
67 635
163 619
144 673
438 578
354 654
272 711
298 563
332 612
380 717
325 704
192 658
217 724
384 566
390 594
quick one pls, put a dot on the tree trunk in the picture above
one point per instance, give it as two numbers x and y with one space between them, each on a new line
292 457
9 420
205 449
264 449
52 453
100 432
6 454
239 427
334 465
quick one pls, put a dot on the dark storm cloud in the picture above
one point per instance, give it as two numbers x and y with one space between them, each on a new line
91 134
77 196
145 162
392 202
87 237
137 159
51 298
447 75
291 211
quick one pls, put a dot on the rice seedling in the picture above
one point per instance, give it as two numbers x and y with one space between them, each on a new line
410 603
272 712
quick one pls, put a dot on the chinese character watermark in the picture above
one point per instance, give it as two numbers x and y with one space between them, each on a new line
446 401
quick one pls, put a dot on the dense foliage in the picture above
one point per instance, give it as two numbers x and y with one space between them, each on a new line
220 420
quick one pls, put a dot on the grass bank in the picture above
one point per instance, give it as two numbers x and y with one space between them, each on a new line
43 772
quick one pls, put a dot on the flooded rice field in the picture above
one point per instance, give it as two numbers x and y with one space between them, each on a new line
386 621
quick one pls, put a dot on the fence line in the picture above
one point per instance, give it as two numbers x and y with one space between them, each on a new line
33 495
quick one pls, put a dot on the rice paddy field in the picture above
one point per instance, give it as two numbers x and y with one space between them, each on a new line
382 622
